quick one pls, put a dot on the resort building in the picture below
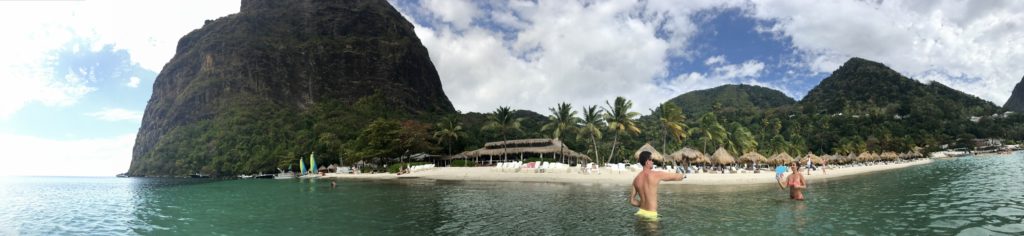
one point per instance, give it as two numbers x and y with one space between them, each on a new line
522 149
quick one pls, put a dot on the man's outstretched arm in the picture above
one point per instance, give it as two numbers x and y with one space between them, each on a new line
664 176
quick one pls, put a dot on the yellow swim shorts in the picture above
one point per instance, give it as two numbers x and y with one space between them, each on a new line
650 215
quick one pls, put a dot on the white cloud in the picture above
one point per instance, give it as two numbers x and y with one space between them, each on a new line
148 30
975 46
715 60
133 82
458 12
583 53
745 73
116 114
34 156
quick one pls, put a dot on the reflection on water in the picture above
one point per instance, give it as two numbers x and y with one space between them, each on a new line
977 195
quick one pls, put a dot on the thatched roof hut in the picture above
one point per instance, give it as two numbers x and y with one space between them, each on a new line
531 146
864 157
850 158
655 155
687 154
702 159
780 159
722 157
889 156
753 157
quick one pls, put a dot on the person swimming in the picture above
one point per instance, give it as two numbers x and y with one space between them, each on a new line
796 183
646 186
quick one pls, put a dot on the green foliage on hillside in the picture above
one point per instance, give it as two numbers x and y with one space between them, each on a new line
731 99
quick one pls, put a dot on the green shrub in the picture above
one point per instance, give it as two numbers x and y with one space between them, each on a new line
463 163
393 168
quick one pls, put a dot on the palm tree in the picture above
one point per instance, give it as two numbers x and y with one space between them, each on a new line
449 130
562 120
779 144
672 122
711 130
620 120
743 139
502 121
592 124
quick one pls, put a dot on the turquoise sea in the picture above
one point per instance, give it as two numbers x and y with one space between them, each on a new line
969 196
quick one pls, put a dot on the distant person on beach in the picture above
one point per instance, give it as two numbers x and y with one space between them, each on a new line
824 165
809 166
646 186
334 183
795 182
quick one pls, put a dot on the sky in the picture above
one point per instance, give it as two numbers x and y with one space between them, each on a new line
76 75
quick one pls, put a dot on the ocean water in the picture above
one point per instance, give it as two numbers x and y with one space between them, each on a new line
968 196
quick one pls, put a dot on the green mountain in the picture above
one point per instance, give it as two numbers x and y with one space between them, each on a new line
731 98
863 87
256 90
1016 101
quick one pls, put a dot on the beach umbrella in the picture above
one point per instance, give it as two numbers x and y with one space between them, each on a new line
753 157
655 155
875 156
850 158
887 156
686 154
864 157
814 159
780 159
702 159
722 157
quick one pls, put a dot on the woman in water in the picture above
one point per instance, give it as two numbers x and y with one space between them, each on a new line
795 182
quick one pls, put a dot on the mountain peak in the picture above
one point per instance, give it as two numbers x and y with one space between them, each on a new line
862 86
733 98
864 66
251 91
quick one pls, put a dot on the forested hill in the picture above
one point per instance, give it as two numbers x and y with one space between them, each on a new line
1016 101
258 89
863 87
731 98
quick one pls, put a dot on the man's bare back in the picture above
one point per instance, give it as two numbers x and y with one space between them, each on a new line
646 186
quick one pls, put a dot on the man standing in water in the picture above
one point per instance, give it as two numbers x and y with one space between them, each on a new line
646 185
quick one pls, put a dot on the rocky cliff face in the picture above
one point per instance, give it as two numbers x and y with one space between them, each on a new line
249 91
1016 101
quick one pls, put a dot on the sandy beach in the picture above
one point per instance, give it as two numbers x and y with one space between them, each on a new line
608 176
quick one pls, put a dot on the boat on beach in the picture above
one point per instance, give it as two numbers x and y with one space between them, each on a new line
199 176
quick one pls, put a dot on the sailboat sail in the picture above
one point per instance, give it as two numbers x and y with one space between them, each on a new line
302 167
312 163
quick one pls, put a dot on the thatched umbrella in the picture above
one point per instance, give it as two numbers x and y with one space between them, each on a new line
814 159
753 157
686 154
889 156
875 156
655 155
722 157
780 159
864 157
702 159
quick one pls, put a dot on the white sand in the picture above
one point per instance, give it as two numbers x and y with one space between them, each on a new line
610 177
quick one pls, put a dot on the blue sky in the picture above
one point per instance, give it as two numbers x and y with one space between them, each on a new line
77 75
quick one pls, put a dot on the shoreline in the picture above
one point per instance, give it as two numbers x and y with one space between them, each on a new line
610 177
